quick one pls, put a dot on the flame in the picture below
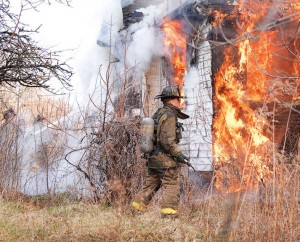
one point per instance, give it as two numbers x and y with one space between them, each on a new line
175 42
256 75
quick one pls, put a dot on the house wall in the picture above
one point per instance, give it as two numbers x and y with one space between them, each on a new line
197 141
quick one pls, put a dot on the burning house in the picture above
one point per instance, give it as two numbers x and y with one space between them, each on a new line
238 65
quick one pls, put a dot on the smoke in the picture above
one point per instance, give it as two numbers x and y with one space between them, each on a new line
145 44
125 3
144 39
92 59
74 30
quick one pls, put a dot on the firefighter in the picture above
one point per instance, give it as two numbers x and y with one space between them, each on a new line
163 162
13 126
9 115
11 147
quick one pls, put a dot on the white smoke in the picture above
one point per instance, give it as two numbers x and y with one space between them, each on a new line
145 39
145 44
146 36
92 60
125 3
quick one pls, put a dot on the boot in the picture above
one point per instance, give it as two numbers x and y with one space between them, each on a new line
139 207
169 213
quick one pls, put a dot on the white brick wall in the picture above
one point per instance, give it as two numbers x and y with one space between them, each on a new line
197 138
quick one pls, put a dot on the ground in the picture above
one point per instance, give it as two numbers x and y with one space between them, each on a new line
248 216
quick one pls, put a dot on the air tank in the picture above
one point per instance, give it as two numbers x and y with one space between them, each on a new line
147 132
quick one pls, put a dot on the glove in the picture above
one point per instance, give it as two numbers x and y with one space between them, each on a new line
185 160
182 158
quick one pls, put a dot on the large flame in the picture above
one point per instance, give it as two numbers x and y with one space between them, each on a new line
175 41
264 70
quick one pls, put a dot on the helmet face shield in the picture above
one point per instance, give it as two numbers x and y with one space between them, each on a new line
170 92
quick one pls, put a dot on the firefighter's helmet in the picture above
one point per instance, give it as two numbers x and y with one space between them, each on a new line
170 92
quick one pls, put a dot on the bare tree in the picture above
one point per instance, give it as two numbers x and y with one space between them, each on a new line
23 62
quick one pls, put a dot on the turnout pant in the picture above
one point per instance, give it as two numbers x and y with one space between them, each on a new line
167 179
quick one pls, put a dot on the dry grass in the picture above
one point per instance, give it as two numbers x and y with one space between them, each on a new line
87 222
258 215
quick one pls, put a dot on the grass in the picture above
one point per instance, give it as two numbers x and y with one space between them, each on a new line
85 222
261 214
